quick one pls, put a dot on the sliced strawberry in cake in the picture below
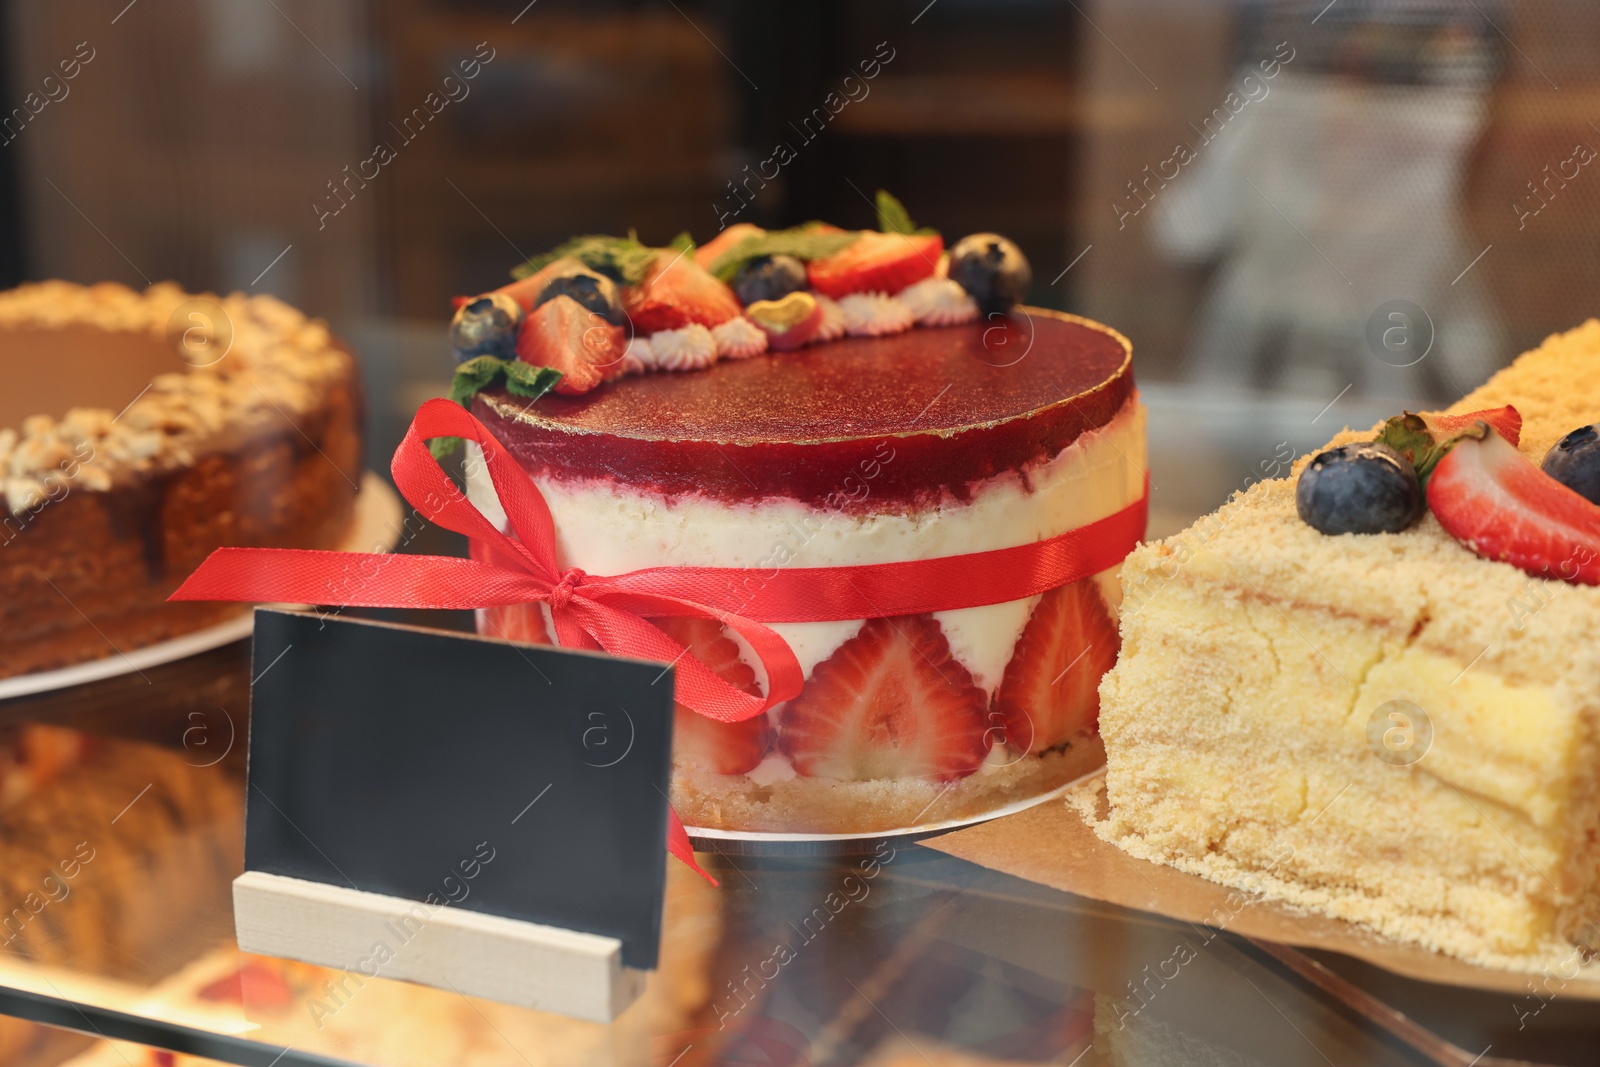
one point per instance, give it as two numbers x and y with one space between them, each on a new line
676 292
1051 689
516 622
563 334
891 702
723 747
876 263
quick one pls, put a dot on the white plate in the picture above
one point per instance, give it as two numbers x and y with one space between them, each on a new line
1012 808
377 529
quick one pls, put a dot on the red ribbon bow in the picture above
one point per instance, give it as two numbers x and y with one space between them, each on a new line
612 613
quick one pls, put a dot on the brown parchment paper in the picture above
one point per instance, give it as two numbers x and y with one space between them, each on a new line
1052 845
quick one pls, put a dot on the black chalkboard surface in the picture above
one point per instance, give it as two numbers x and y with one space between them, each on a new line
515 780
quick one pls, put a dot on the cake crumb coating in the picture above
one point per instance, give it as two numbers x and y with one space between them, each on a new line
1261 666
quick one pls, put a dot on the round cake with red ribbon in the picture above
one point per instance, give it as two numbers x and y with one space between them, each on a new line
879 500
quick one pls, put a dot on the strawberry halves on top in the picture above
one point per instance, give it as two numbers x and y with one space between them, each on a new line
1424 438
712 250
525 291
584 347
1507 420
676 292
876 263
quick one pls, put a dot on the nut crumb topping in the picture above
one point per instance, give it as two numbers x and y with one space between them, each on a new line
277 365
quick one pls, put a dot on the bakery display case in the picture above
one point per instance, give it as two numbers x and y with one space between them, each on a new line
793 960
686 534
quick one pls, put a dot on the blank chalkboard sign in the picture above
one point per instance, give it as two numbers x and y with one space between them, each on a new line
461 774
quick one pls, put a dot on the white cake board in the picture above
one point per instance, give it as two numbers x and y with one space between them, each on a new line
376 528
508 960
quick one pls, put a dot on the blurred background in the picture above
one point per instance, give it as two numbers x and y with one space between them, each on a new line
1303 214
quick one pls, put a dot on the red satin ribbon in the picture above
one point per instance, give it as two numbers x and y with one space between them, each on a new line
591 611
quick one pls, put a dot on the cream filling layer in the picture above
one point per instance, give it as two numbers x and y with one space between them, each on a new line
605 528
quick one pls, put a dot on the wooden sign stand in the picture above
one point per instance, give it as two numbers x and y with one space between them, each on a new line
509 960
380 753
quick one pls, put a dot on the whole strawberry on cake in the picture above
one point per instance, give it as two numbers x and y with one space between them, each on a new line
825 398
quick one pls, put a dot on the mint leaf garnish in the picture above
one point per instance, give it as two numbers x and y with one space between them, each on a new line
894 218
622 259
803 242
441 447
526 380
521 379
473 375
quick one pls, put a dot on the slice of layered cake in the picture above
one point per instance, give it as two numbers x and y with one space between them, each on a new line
1394 728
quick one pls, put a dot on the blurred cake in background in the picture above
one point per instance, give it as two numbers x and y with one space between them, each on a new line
140 431
115 855
113 851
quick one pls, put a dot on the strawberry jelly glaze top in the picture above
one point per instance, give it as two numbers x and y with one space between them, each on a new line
952 406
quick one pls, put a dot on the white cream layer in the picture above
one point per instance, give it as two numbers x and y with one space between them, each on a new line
607 529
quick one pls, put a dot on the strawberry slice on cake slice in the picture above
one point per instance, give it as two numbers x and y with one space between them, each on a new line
1506 420
1424 439
1051 689
723 747
1492 499
891 702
